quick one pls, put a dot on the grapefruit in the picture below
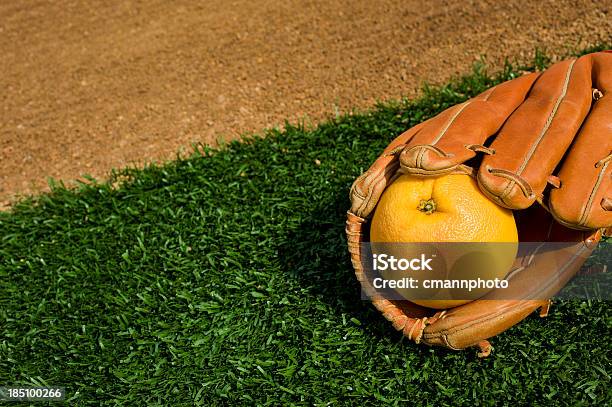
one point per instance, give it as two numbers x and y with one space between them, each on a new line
445 209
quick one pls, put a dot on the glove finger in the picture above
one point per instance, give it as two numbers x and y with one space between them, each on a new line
536 136
455 135
584 197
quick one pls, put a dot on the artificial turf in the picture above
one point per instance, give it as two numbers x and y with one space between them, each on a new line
224 279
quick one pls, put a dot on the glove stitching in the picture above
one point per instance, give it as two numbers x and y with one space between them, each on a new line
370 188
508 189
450 122
396 150
587 208
358 191
422 149
447 342
488 95
417 171
554 181
514 179
355 191
419 158
479 148
603 160
550 119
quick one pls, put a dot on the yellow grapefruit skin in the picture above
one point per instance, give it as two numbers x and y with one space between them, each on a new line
448 208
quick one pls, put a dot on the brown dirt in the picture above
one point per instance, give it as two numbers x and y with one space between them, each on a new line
86 87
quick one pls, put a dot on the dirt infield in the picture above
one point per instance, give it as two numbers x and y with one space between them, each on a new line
86 88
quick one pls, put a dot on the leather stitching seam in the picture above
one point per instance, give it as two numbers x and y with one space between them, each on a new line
587 208
450 122
550 118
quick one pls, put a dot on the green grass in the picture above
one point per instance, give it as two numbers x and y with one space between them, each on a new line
224 279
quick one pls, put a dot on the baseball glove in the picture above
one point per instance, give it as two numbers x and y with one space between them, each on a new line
543 138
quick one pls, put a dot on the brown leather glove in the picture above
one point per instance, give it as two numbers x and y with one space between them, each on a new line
544 137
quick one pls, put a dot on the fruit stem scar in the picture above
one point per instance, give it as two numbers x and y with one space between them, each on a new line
427 206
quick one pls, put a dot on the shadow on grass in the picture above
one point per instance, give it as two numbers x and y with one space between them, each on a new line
316 254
